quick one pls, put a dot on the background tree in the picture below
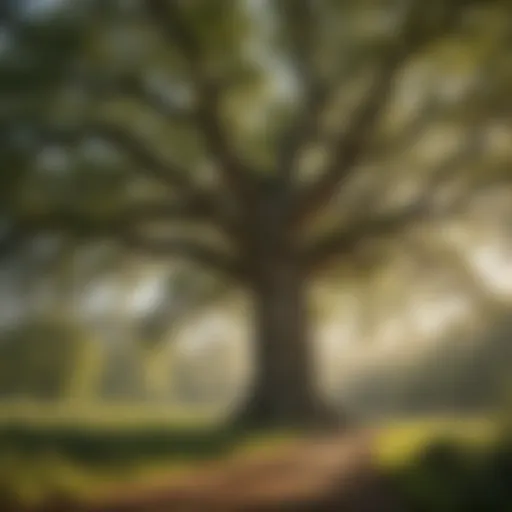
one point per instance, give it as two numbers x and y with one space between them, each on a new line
262 140
37 360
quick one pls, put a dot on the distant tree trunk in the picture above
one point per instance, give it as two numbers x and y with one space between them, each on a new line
285 392
84 372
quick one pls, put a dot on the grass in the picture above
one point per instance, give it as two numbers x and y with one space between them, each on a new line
400 442
33 478
85 453
103 416
82 453
449 465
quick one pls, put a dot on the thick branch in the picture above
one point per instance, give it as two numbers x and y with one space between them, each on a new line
174 27
294 140
171 314
193 199
348 148
425 207
346 241
318 95
299 23
298 20
118 229
186 248
127 143
177 210
135 88
186 210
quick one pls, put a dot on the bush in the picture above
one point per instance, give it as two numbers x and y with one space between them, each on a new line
112 446
448 477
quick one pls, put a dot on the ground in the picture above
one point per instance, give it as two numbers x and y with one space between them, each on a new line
308 475
363 470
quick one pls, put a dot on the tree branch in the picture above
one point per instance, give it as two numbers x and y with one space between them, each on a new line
348 148
128 143
168 17
294 140
424 207
187 248
318 95
118 229
171 314
192 209
193 198
346 241
298 19
133 87
171 211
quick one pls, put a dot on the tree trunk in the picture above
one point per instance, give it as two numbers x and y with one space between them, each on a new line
284 392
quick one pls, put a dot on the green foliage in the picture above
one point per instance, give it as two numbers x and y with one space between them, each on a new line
40 464
448 477
115 447
193 100
37 360
119 62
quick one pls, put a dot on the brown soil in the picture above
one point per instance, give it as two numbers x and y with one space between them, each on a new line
327 474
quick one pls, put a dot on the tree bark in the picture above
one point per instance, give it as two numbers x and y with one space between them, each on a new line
284 392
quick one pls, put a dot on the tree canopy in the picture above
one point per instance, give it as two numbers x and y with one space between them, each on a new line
262 140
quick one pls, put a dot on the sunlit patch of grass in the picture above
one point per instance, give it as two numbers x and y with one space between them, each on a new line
32 480
76 452
398 443
81 454
104 416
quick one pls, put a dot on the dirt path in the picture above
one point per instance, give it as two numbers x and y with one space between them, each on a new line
323 474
